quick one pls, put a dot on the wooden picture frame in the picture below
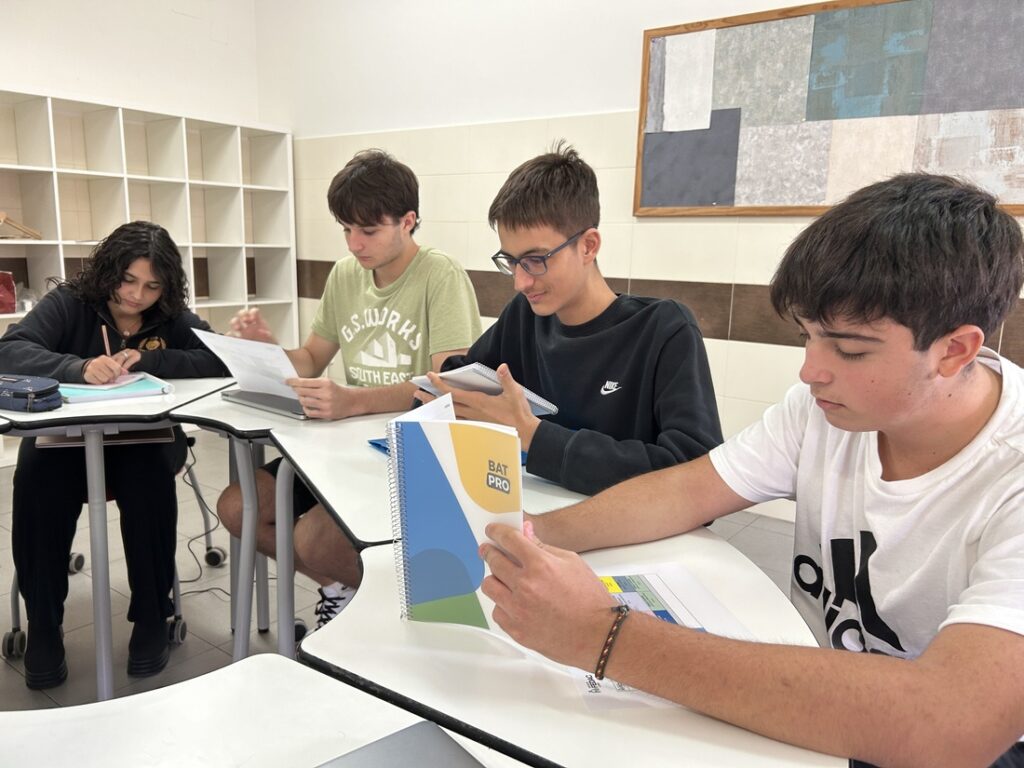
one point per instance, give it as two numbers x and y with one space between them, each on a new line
784 112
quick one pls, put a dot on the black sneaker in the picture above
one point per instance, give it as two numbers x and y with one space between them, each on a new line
149 648
45 665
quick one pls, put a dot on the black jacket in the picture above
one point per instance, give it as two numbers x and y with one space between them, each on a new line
632 386
62 333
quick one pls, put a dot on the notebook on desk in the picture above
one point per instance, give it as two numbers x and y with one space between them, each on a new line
423 744
285 406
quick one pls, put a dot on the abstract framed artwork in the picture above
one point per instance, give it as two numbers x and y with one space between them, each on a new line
786 112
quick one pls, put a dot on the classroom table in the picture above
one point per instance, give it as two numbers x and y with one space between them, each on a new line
335 460
245 427
487 688
92 421
303 720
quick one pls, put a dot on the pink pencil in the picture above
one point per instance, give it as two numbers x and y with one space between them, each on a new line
106 340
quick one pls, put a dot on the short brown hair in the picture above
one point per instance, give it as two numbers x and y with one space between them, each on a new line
371 187
557 189
929 252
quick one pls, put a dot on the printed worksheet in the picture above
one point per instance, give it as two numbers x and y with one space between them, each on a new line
670 592
255 365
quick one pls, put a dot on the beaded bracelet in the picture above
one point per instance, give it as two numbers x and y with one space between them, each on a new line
621 611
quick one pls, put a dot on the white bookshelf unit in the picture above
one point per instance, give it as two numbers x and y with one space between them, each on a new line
74 171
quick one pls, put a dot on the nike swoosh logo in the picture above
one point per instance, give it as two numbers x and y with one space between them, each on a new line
607 391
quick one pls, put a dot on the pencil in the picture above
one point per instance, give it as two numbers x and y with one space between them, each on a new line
106 340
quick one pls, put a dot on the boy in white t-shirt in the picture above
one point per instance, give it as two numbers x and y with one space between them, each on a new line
904 451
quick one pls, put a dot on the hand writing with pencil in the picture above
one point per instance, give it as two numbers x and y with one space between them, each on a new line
104 369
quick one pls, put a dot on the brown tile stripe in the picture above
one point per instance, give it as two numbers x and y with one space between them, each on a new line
753 319
493 290
734 312
709 302
311 277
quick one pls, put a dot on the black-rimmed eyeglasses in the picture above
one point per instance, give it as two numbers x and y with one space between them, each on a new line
531 265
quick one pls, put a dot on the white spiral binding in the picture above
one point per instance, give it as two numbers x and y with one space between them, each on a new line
396 494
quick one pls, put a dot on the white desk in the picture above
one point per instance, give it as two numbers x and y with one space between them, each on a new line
482 686
92 421
334 459
300 718
245 427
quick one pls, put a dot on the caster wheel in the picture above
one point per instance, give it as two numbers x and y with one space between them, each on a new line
14 644
301 630
76 562
177 630
216 557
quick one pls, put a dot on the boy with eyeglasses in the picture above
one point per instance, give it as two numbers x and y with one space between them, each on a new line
629 375
393 310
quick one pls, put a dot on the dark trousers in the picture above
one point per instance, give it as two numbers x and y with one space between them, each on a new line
49 491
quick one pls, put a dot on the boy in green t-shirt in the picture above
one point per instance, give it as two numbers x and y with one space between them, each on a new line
393 310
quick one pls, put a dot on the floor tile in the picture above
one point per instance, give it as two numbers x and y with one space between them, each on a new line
742 517
726 528
773 524
16 695
768 550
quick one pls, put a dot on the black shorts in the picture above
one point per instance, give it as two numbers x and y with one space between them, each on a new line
303 499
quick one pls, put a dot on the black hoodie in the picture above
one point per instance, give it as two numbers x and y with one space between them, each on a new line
62 333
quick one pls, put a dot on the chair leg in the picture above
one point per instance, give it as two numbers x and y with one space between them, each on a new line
177 629
215 556
14 642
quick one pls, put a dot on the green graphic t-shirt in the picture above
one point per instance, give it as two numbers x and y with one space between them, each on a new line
388 335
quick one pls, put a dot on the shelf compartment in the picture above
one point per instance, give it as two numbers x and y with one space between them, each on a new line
87 137
267 219
154 144
27 197
216 215
218 275
91 207
31 264
161 202
270 274
264 158
25 130
213 152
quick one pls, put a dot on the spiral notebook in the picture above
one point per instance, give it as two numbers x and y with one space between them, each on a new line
477 377
447 481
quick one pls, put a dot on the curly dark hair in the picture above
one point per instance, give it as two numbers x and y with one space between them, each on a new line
104 270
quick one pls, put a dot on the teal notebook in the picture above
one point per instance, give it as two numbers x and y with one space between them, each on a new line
146 386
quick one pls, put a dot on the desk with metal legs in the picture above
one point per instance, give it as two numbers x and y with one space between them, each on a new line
487 688
247 429
336 461
92 421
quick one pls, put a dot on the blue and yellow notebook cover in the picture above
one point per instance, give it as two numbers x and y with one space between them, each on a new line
449 480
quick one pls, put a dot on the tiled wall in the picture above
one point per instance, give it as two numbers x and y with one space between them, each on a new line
719 267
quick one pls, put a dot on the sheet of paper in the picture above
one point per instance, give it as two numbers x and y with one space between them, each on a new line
673 594
255 365
438 409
